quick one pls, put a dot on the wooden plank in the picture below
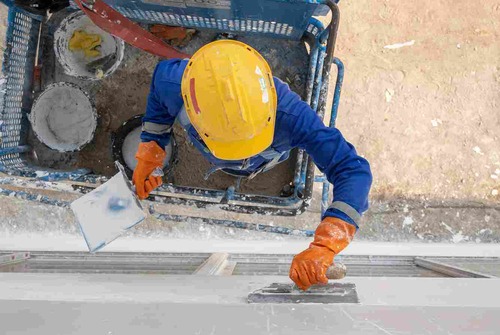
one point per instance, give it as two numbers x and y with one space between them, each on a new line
213 265
448 269
13 258
228 270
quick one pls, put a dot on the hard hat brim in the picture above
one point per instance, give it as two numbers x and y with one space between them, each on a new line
242 149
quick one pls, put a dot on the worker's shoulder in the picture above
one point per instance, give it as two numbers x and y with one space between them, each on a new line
170 70
289 102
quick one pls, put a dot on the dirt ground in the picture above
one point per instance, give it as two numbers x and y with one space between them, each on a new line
427 115
120 97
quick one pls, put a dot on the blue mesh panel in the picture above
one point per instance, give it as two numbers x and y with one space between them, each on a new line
16 81
280 18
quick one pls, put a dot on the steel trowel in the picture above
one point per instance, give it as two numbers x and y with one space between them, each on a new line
288 293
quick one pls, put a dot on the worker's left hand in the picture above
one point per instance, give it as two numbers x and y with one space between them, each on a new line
149 157
310 266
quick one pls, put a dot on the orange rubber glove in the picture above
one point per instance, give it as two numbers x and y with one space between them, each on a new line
331 237
149 157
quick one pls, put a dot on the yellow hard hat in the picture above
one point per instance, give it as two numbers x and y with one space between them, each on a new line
230 99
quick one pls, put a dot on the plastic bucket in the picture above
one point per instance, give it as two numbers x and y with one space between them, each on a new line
63 117
126 141
75 63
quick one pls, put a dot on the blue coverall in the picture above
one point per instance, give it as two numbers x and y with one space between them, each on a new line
297 125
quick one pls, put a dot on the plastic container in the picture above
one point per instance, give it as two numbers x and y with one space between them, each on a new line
64 117
126 141
75 63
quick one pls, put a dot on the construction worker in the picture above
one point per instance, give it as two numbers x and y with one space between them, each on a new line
244 122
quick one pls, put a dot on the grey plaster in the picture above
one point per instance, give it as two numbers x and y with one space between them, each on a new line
450 292
63 117
156 304
38 317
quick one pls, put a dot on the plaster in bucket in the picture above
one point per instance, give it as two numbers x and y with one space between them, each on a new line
75 62
63 117
125 142
131 144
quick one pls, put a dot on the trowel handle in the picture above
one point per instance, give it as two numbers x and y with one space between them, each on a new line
336 271
157 172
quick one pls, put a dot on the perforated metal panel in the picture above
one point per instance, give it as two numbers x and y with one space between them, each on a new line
248 25
16 81
283 18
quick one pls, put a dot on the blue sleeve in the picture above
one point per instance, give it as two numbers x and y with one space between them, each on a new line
164 101
348 172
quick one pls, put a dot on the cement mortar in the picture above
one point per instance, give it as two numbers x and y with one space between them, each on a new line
130 145
55 303
63 117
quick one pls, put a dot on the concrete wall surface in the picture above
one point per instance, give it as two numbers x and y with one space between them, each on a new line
128 304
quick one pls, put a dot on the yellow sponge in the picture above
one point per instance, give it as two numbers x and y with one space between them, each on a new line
88 43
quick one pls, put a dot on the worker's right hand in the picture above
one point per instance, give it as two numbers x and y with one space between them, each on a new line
149 157
310 266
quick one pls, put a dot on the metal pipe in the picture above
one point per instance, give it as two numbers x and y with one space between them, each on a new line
308 166
324 197
313 65
338 90
15 150
330 50
333 28
170 217
315 44
333 118
322 93
308 188
233 224
318 80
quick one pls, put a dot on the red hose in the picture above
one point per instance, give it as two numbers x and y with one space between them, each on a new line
118 25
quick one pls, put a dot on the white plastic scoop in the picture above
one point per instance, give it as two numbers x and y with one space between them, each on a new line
108 211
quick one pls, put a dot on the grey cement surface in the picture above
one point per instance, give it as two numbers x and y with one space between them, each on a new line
96 304
233 290
35 317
